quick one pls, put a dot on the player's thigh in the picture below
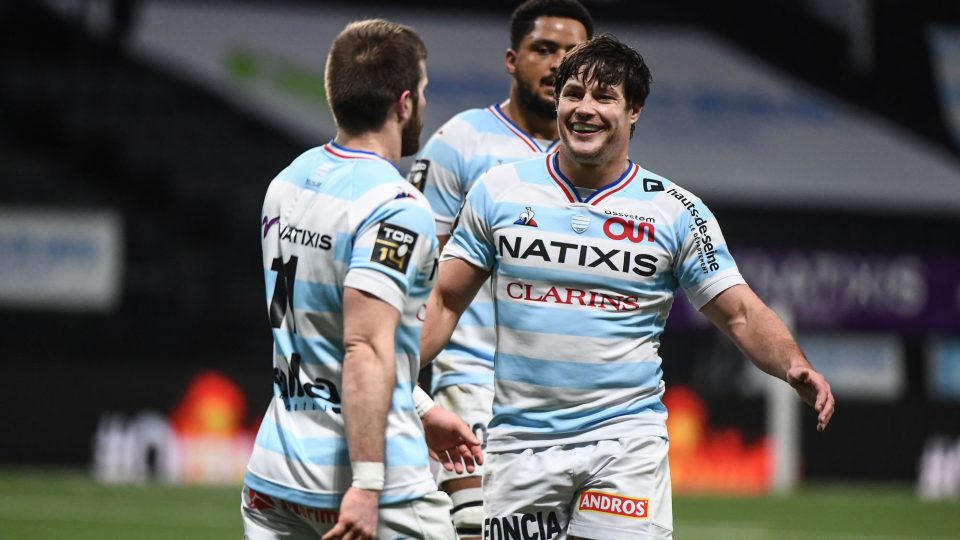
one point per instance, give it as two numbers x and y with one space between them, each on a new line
426 518
627 495
527 494
474 404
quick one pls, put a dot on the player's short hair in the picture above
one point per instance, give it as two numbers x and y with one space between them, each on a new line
370 64
609 62
527 13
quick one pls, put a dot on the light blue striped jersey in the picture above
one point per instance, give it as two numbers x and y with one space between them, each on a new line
338 218
453 159
582 289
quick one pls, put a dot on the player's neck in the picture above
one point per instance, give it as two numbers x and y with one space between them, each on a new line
533 125
384 143
591 175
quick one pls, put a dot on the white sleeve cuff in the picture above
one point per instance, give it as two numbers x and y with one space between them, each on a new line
452 251
376 283
701 296
443 225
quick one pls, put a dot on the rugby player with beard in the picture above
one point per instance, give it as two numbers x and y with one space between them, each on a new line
342 451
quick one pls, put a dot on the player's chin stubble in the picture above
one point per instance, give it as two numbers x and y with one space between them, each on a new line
531 101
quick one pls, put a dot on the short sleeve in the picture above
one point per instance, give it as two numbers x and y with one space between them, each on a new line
704 266
390 248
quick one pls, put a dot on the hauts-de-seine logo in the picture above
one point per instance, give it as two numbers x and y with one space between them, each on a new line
526 218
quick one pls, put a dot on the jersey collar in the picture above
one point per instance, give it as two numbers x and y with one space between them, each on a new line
527 139
343 152
570 191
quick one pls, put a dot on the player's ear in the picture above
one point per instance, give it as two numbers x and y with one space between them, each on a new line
510 61
635 111
404 105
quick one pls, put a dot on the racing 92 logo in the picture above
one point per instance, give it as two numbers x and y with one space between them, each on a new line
618 228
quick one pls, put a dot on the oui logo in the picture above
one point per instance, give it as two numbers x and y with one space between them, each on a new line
618 228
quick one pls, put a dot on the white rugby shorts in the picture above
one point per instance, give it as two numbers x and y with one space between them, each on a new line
611 489
270 518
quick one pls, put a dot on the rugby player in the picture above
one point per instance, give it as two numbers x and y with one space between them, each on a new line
349 257
587 249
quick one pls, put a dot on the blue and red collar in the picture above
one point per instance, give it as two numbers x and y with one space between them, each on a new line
570 191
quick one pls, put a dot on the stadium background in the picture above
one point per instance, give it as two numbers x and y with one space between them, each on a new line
138 137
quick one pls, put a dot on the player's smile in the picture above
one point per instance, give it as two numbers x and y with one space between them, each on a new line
582 128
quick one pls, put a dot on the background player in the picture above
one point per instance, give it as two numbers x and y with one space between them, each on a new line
349 256
522 126
578 443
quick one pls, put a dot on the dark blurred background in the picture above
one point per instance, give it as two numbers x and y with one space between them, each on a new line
167 165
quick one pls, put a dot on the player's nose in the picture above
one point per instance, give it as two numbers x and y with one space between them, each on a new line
585 108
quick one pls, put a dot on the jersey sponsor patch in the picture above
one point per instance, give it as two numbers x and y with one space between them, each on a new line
268 223
539 525
526 218
615 505
649 184
393 247
418 173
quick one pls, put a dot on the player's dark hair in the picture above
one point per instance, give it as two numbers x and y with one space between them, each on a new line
370 64
527 13
608 62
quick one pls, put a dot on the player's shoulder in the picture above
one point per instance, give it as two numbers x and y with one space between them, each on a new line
373 181
675 202
467 124
378 187
377 170
500 179
647 185
476 118
302 165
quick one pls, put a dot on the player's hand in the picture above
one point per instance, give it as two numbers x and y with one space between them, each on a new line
450 441
358 516
815 391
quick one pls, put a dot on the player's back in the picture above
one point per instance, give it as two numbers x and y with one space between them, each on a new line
337 217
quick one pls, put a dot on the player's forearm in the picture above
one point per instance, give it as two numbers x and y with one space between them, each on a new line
441 319
756 330
767 342
368 382
434 337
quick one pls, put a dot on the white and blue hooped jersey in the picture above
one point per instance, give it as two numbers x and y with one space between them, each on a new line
582 288
338 218
453 159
